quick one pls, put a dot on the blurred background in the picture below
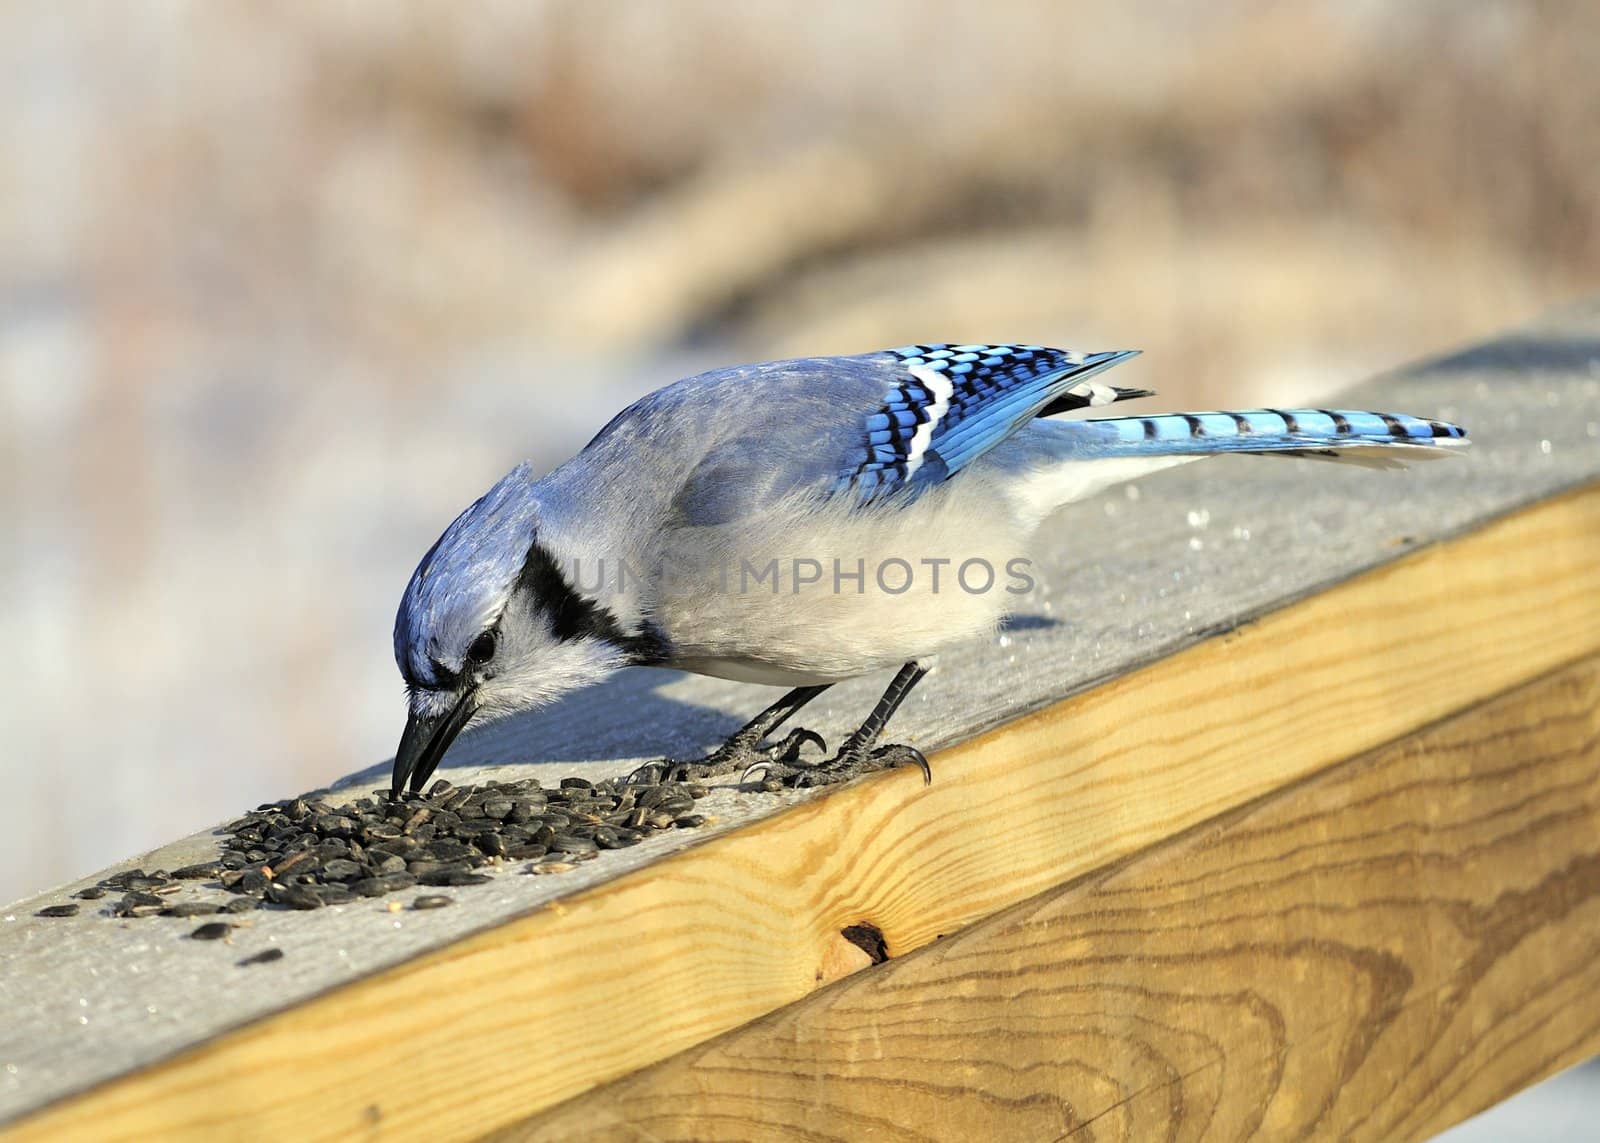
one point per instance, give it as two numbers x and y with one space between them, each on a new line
285 285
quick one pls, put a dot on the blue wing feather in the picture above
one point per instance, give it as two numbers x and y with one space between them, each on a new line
953 403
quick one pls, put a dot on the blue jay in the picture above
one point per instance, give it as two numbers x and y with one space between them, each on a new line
787 523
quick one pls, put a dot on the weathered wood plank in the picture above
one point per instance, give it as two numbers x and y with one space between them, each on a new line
713 936
1376 953
620 976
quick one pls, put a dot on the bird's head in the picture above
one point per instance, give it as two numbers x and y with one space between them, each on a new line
489 625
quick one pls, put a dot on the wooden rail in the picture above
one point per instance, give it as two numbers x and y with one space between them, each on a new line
1278 814
1325 960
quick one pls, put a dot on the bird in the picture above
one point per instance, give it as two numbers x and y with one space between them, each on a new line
786 523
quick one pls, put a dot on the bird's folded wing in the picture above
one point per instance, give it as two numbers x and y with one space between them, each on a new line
947 405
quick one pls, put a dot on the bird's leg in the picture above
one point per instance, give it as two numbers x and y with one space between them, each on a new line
743 749
858 755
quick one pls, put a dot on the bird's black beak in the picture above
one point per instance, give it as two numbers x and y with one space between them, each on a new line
425 740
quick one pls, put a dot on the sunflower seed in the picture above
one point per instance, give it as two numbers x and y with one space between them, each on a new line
447 849
492 844
203 871
572 843
340 869
388 863
191 909
293 861
265 956
296 897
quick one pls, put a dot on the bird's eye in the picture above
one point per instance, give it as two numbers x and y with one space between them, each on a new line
482 649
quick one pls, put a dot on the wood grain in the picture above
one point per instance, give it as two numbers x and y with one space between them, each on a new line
518 1018
1377 953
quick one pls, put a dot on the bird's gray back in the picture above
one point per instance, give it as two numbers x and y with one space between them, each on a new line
717 445
711 450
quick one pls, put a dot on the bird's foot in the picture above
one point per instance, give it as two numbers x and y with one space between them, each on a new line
733 756
854 759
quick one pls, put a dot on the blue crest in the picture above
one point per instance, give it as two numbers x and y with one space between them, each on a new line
463 582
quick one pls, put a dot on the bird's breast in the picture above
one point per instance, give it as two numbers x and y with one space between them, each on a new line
815 593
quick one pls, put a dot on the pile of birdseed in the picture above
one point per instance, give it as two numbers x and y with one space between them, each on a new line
305 853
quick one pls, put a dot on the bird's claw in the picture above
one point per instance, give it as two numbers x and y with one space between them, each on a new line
852 761
728 758
789 749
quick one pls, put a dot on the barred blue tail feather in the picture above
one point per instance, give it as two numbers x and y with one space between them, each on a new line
1323 434
1066 461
